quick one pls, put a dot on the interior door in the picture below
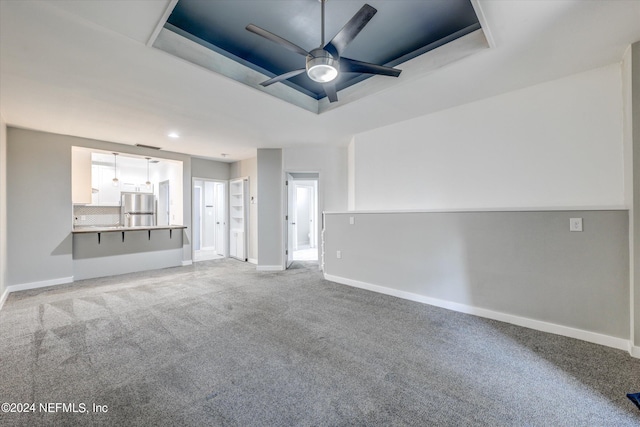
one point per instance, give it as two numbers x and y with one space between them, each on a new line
291 209
197 218
221 218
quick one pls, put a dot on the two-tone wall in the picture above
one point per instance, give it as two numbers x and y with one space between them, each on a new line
469 209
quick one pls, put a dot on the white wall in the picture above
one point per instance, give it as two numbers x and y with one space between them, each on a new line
173 172
556 144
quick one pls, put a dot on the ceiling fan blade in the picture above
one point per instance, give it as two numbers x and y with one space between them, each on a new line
352 66
330 90
282 77
350 30
277 39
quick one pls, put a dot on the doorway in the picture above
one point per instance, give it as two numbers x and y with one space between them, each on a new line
302 217
164 206
209 219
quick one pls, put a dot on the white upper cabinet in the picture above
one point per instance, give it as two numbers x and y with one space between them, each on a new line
80 176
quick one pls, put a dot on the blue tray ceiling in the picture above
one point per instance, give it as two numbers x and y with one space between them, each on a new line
400 31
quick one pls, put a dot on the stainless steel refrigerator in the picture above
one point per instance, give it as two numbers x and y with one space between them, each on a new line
138 209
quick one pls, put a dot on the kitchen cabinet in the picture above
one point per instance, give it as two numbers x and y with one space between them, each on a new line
81 174
236 244
102 180
238 213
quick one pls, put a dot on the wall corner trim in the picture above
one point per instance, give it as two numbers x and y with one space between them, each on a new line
187 263
567 331
252 261
41 284
4 297
269 268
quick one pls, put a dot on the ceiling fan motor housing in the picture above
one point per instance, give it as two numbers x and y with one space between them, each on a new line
322 67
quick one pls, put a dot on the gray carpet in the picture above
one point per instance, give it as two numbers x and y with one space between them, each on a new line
220 344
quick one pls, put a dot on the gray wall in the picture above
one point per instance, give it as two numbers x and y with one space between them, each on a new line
270 219
138 252
3 206
39 204
635 123
526 264
209 169
39 207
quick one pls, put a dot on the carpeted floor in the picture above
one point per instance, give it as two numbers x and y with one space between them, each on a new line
220 344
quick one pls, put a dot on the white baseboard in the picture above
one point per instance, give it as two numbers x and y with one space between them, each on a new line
269 268
42 284
634 350
187 262
252 261
4 297
567 331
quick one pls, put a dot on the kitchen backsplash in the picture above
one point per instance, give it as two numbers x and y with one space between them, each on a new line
103 216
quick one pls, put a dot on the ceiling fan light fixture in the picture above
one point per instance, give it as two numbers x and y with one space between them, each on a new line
321 66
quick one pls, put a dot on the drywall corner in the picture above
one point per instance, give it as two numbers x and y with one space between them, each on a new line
3 210
634 128
351 175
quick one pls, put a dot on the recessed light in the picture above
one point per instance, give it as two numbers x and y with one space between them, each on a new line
173 135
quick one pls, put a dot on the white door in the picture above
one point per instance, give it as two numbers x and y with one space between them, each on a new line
304 216
221 217
197 218
290 219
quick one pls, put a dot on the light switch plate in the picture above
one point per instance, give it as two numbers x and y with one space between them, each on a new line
575 224
352 220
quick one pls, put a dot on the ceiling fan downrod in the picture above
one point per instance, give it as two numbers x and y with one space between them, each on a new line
322 66
322 2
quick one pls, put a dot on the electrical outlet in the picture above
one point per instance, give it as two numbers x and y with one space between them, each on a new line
575 224
338 254
352 220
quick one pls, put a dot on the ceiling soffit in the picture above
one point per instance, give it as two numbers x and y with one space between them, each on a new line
415 36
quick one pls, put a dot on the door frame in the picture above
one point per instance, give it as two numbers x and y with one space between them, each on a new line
225 231
290 175
310 186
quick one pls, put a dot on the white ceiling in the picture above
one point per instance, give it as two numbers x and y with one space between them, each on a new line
85 69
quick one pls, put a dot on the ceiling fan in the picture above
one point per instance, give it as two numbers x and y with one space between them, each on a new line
325 63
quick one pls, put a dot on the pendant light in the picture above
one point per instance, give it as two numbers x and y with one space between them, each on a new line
148 181
115 170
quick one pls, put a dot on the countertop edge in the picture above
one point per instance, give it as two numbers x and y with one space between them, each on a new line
85 230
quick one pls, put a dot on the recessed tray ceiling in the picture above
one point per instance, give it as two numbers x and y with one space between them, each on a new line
400 31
